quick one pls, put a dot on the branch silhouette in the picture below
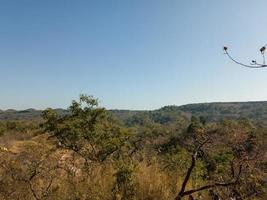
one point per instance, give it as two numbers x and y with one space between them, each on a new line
253 64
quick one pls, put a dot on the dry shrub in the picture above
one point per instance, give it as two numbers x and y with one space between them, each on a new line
154 183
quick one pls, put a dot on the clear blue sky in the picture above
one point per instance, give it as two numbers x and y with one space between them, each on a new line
131 54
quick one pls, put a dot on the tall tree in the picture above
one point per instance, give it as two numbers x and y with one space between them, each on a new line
86 130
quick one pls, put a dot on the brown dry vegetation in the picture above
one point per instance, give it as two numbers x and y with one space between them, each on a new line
143 162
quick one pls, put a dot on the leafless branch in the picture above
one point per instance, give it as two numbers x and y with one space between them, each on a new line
190 169
253 64
218 184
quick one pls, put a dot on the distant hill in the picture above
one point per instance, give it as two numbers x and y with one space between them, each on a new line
255 111
28 114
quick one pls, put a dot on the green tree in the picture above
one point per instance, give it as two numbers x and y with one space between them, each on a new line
86 130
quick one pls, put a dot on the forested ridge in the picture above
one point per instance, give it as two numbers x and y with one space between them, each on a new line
255 111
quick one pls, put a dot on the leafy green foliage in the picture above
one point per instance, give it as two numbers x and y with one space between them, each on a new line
86 130
125 185
2 128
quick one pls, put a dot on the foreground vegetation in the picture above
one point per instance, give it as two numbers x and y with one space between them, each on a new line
89 153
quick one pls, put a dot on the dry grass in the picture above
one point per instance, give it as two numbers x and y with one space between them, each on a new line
154 183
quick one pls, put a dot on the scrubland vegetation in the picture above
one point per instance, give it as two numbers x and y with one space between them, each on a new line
88 153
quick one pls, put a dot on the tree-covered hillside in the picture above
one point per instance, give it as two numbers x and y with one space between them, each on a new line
211 112
254 111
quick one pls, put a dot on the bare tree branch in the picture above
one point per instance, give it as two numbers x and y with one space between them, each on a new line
253 64
190 169
233 182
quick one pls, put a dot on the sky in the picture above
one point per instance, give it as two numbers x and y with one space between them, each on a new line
130 54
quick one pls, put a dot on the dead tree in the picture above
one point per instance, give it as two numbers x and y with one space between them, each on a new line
202 140
183 192
254 63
